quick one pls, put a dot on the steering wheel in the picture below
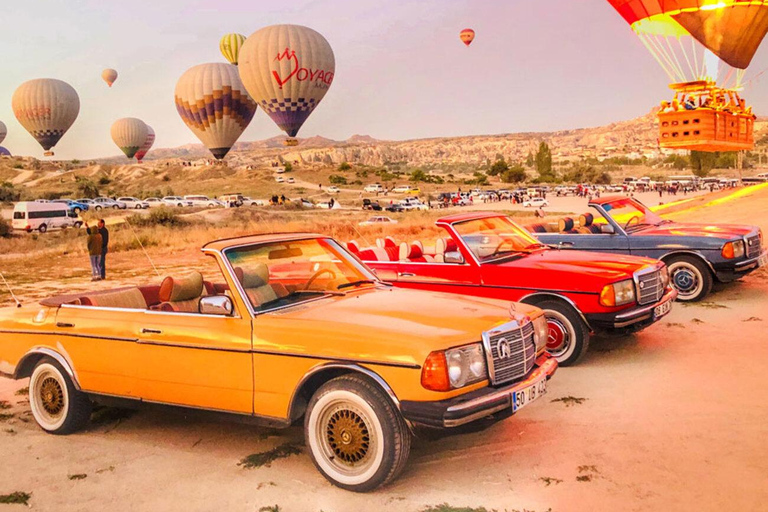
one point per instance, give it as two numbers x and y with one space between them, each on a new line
503 241
635 220
318 274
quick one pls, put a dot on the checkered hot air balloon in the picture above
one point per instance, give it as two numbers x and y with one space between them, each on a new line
213 103
46 108
230 46
129 135
287 70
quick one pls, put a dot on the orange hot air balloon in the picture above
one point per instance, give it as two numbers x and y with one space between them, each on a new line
109 76
467 36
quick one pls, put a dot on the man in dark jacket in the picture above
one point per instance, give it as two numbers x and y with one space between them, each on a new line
104 232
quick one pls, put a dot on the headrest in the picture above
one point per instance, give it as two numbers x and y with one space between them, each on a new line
174 289
440 246
419 245
255 277
353 247
537 228
585 220
565 224
380 242
450 245
405 251
417 251
390 242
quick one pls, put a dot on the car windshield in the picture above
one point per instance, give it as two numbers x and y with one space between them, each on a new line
494 238
283 273
631 214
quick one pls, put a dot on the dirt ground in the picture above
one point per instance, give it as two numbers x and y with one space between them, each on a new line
673 418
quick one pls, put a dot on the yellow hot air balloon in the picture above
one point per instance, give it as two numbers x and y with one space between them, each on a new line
3 132
287 69
230 46
109 76
148 143
46 108
129 134
213 103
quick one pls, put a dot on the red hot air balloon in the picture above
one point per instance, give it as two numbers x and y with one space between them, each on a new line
467 36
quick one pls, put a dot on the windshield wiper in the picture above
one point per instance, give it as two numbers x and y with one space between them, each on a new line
502 255
356 283
298 293
534 246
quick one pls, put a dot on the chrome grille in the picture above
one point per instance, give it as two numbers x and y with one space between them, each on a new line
516 362
649 287
753 247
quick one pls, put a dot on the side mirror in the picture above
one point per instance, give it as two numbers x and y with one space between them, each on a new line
219 305
607 229
453 257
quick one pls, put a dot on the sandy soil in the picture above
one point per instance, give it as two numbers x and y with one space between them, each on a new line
673 418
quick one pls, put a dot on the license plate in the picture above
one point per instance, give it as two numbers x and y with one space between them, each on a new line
527 395
762 261
662 309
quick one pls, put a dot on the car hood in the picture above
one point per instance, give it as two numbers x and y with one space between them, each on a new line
718 231
566 270
386 323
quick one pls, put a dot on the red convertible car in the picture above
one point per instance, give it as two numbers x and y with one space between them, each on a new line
488 255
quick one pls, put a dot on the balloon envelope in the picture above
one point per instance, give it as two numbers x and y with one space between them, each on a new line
230 46
213 103
287 70
148 143
3 131
467 36
129 134
109 76
4 152
46 108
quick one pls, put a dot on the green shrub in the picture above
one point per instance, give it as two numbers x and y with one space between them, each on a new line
335 179
162 216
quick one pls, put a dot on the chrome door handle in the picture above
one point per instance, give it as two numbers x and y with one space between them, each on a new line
565 244
406 274
151 331
64 324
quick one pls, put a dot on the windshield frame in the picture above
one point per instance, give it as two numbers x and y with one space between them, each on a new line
519 230
347 256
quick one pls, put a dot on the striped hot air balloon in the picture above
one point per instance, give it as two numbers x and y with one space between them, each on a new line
129 134
287 70
230 46
148 143
46 108
109 76
213 103
3 131
467 36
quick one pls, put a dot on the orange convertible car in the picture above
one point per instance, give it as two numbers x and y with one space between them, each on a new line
294 327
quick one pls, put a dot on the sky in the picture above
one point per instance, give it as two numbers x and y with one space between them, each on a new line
401 71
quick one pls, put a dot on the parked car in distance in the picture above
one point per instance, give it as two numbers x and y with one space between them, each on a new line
279 179
290 179
106 202
247 201
379 220
290 329
133 203
333 189
412 203
535 202
371 205
75 207
204 201
406 189
176 201
394 208
374 188
88 202
154 202
35 216
697 254
487 254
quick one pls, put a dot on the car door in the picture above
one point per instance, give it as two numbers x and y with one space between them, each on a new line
439 276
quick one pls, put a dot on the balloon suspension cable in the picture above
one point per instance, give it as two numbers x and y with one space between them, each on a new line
13 295
696 73
142 247
658 55
674 55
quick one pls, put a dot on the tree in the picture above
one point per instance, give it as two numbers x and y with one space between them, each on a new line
499 167
418 175
703 162
529 161
544 161
514 174
288 167
335 179
87 188
344 166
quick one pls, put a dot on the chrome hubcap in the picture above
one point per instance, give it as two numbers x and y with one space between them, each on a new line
559 338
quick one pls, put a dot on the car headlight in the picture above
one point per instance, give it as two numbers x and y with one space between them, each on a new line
540 332
733 250
454 368
618 294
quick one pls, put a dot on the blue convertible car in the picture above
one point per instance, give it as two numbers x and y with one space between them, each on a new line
696 254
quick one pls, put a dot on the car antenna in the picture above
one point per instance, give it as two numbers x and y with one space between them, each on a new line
13 295
142 247
360 235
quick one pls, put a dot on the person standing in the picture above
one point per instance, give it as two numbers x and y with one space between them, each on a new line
104 232
94 252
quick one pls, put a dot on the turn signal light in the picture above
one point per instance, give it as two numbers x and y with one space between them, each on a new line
608 296
434 373
733 250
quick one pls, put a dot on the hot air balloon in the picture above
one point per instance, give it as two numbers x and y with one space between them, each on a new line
109 76
148 142
4 152
129 134
213 103
701 45
46 108
3 131
287 70
467 36
230 46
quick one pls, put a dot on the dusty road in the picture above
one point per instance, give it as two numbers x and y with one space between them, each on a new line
671 419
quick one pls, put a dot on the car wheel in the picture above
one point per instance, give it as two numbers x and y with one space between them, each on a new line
77 211
98 208
56 405
690 277
78 224
116 207
568 334
356 436
179 205
137 207
43 228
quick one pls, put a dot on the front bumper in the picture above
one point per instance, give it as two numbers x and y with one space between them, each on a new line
739 269
476 404
636 318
